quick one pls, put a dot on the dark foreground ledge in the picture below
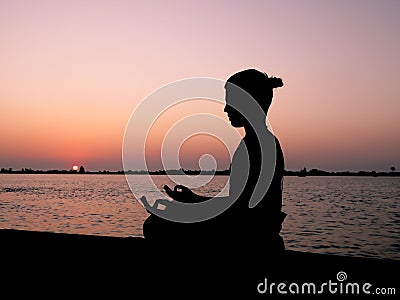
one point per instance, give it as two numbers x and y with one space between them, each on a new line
75 263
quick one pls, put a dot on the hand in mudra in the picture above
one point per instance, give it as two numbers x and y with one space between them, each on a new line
182 194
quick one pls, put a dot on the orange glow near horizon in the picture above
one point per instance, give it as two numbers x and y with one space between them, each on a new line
187 149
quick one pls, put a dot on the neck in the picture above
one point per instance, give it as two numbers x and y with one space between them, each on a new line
251 131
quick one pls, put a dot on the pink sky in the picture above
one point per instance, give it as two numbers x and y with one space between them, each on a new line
72 72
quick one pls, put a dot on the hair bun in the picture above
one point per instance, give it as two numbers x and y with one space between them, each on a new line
275 82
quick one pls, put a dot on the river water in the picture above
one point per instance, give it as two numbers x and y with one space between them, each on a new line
354 216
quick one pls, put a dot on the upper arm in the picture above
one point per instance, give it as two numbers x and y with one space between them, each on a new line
239 171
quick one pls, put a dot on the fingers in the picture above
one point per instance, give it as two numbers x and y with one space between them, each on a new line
144 201
180 193
164 202
177 189
181 188
169 191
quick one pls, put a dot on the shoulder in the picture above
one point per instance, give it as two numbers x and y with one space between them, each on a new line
240 150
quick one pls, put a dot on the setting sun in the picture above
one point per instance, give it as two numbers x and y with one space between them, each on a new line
75 168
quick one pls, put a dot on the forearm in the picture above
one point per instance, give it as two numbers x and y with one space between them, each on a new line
200 198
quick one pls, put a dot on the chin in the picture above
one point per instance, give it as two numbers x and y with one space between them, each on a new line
236 124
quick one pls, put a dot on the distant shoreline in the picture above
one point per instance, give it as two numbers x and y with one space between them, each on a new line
301 173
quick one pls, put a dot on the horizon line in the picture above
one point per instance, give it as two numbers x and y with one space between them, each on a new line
302 171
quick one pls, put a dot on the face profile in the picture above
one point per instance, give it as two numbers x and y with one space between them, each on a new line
235 117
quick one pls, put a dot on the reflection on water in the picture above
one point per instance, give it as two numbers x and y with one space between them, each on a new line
87 204
357 216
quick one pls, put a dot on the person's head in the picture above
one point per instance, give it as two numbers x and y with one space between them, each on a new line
258 85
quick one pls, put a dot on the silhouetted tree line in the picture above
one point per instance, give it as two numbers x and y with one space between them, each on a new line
301 173
180 171
31 171
316 172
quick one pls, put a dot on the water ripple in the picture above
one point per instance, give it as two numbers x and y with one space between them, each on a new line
356 216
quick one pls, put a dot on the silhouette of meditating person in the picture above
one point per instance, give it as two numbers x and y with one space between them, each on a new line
258 221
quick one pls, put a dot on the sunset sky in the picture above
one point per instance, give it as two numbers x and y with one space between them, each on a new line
72 72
